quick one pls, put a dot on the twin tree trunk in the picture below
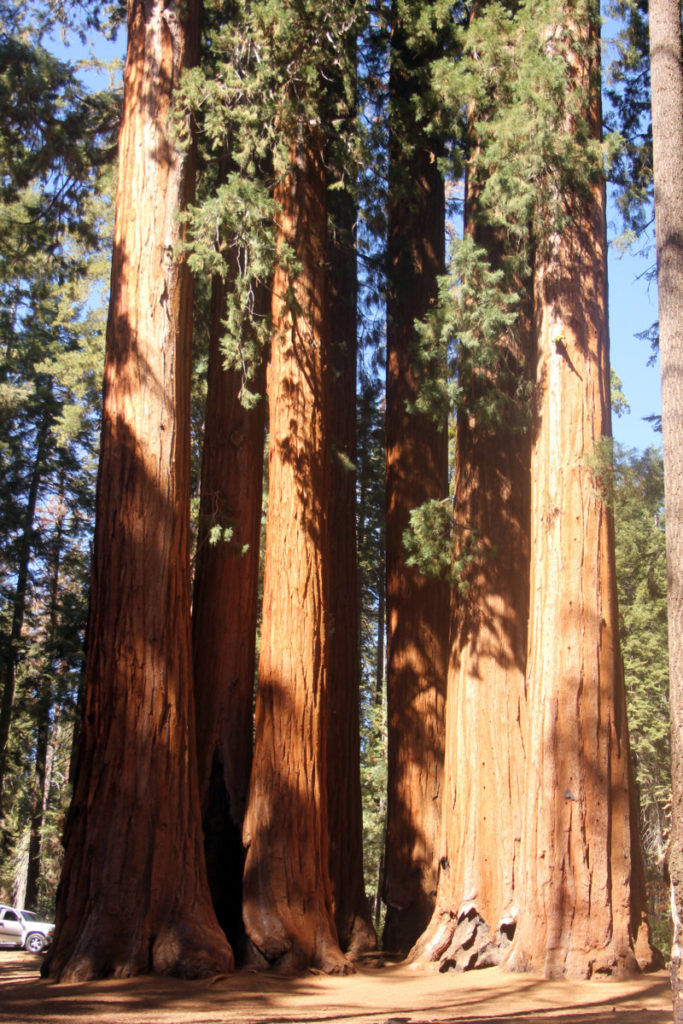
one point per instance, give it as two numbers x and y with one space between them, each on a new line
416 471
288 908
224 615
484 766
134 896
666 63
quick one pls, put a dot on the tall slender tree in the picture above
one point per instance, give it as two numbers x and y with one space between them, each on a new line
666 69
134 896
416 471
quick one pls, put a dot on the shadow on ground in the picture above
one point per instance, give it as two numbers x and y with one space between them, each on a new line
389 995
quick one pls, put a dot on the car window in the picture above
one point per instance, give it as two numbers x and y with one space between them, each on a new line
10 915
28 915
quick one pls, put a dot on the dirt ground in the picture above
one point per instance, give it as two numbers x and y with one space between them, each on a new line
384 995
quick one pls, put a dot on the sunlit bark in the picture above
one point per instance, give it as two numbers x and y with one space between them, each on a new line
484 768
581 903
133 897
288 912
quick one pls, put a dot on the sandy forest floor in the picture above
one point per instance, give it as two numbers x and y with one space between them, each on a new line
386 995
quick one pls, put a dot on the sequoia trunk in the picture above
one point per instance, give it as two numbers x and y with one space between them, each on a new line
287 908
224 612
581 911
483 785
416 471
134 896
351 909
666 62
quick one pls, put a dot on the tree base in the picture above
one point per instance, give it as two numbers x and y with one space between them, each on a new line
294 960
461 941
175 951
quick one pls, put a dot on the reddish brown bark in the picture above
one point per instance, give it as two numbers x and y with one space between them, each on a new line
351 909
666 61
287 909
224 613
580 908
416 608
483 785
133 895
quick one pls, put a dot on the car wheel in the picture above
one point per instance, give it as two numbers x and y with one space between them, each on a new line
35 942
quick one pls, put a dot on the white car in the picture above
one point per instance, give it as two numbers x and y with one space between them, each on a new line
24 928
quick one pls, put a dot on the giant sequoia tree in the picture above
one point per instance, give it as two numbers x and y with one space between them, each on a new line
416 471
134 895
287 907
580 896
224 612
666 56
486 697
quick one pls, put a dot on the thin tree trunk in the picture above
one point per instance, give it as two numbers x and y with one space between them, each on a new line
44 708
582 911
416 608
351 908
666 69
134 897
224 612
378 695
19 603
288 912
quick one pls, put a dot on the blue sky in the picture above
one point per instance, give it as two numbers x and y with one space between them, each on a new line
633 308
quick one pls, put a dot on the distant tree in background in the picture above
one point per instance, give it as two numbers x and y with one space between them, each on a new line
641 583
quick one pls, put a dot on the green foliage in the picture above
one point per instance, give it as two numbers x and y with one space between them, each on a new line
272 75
641 580
618 399
373 790
627 117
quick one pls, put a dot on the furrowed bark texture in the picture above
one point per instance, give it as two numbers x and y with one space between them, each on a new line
580 909
483 788
666 64
133 896
352 914
287 909
416 470
224 612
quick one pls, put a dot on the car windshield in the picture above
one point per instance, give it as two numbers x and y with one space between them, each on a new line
28 915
